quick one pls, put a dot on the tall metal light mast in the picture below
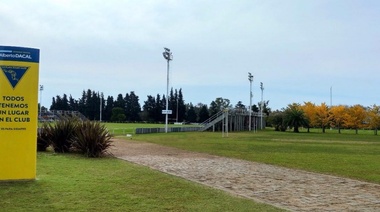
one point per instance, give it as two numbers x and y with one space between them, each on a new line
168 56
250 78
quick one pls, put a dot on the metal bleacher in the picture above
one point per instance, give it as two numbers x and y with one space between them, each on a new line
55 115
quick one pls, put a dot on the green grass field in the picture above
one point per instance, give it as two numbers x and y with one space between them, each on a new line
347 154
69 182
129 128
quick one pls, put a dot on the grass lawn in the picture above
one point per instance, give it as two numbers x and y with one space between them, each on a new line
346 154
129 128
69 182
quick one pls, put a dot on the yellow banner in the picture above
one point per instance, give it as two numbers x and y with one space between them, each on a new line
19 69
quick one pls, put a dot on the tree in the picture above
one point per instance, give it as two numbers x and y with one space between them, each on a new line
160 105
203 114
295 117
213 108
73 104
337 114
240 106
82 103
218 105
355 117
108 108
374 118
133 107
322 116
173 97
90 113
60 103
255 108
311 114
118 114
149 108
191 115
277 120
65 103
120 102
53 104
181 106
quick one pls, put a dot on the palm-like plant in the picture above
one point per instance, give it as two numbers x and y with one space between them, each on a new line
61 133
295 117
43 140
92 139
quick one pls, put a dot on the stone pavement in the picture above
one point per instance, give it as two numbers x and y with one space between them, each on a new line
290 189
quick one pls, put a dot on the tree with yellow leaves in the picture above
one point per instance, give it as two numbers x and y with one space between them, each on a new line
322 116
337 115
355 117
309 110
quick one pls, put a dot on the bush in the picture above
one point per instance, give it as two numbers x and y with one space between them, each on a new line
91 138
61 133
43 140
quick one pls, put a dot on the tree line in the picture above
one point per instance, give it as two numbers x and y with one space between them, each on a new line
310 115
126 108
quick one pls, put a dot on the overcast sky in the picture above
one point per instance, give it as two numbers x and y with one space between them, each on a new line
299 49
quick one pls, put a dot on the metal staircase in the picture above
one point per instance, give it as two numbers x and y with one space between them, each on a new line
213 120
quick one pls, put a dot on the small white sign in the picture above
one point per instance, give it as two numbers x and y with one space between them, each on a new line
167 112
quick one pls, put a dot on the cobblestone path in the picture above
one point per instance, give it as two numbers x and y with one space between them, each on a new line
294 190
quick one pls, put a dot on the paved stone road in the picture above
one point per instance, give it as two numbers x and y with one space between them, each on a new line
290 189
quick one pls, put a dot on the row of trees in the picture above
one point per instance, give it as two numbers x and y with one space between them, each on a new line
322 116
127 108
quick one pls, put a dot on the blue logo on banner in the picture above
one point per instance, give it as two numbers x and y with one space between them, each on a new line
14 73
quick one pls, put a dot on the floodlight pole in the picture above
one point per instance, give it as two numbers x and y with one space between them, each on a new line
250 78
168 56
41 89
262 105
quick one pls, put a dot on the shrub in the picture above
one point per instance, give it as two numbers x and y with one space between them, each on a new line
91 138
61 133
43 140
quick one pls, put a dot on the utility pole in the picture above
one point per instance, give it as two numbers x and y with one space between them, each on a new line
250 78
